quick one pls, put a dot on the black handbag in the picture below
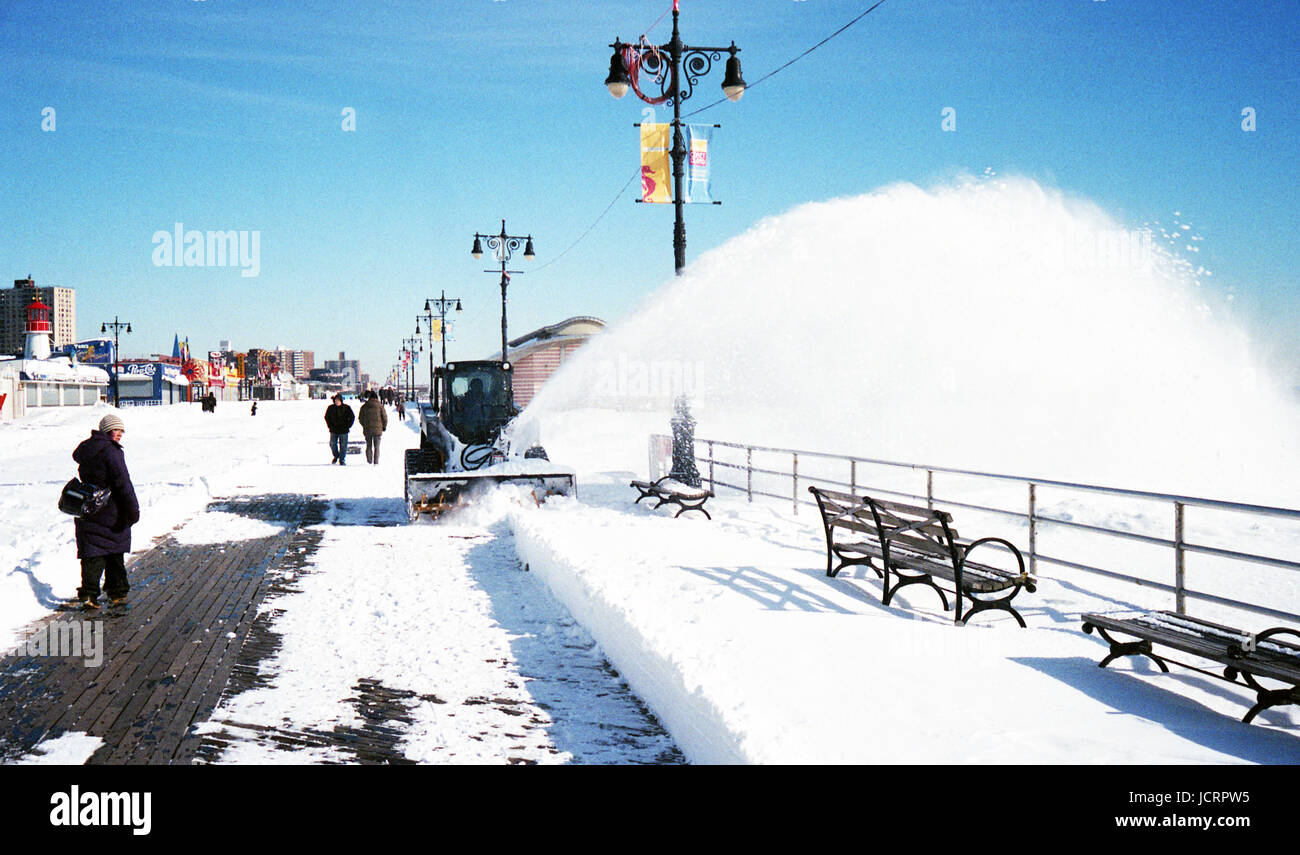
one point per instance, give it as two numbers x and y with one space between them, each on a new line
82 500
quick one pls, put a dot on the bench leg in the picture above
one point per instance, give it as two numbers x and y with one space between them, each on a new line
847 561
1000 604
904 580
1125 648
1264 697
685 508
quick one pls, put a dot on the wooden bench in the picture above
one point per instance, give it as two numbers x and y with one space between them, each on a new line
1243 655
915 545
669 491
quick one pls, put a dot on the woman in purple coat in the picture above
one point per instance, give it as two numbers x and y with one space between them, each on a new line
104 538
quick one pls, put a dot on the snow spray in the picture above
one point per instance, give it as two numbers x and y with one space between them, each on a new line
995 325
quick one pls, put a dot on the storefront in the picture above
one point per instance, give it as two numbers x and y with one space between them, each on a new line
28 384
150 384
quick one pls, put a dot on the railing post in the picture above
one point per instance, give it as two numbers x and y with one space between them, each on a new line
929 489
853 477
794 458
1033 529
749 473
712 487
1180 569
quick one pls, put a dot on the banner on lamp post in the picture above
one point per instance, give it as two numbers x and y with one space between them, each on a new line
698 138
656 172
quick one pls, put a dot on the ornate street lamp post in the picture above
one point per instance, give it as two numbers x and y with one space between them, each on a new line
443 303
409 346
503 246
664 62
117 326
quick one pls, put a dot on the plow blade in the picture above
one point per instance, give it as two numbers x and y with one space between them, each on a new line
436 493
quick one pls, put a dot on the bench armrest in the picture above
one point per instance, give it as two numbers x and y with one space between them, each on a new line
1237 650
1025 579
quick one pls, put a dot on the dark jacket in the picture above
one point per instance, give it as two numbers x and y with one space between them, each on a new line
108 532
339 418
373 418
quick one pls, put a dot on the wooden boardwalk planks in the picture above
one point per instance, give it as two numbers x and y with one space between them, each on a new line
167 655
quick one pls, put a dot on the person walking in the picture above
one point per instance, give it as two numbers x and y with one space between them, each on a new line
339 419
401 409
374 421
104 537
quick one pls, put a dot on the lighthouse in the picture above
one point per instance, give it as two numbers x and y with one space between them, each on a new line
39 330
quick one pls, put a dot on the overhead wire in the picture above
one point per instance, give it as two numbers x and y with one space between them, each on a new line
750 86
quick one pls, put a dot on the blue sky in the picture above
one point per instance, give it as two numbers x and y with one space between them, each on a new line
227 114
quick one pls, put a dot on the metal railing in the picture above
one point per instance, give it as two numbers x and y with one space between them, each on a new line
1032 516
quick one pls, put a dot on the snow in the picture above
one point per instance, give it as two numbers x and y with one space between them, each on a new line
733 634
68 749
976 324
223 527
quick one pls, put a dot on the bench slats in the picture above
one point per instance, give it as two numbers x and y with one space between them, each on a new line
1281 664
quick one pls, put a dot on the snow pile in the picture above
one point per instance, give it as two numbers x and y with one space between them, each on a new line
995 325
223 527
68 749
736 639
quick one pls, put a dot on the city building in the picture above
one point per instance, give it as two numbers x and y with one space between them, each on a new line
349 368
539 354
299 363
13 314
323 383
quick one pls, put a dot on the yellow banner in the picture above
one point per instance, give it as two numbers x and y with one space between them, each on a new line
436 329
656 180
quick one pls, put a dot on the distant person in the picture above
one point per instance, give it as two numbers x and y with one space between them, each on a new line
374 421
253 411
339 419
401 408
104 537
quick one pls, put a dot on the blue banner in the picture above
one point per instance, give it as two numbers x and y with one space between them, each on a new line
95 351
698 138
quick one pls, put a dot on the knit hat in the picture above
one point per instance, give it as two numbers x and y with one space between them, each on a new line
111 422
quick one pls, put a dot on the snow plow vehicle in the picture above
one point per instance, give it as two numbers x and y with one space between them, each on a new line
465 446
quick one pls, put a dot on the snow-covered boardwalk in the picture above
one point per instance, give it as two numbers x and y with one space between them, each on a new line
294 618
